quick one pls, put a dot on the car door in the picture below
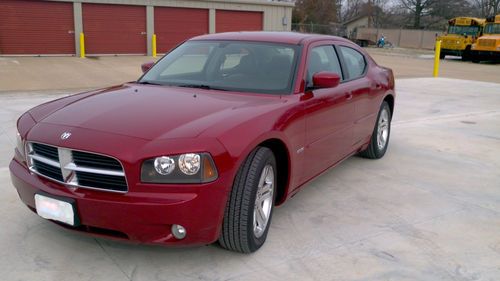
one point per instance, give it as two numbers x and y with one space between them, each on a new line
355 67
328 112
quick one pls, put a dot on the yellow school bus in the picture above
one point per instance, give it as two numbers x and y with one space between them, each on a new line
462 33
487 46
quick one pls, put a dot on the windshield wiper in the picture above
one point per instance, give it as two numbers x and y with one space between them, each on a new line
148 83
200 86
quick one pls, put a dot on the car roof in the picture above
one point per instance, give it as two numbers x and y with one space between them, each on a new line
266 36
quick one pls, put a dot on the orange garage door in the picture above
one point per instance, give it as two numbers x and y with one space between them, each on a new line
226 20
114 29
36 27
174 25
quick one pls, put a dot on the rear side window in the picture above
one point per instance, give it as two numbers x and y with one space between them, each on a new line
323 58
354 61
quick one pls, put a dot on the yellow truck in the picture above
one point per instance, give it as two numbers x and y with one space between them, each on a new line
487 46
462 33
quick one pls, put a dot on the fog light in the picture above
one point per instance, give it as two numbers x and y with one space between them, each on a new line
164 165
178 231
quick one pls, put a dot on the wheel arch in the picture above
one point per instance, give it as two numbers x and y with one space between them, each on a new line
282 155
390 101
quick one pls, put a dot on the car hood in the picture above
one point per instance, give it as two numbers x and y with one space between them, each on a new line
153 112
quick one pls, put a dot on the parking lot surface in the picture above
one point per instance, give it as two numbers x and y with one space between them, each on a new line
49 73
429 210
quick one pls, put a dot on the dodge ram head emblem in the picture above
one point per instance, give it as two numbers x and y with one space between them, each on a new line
65 135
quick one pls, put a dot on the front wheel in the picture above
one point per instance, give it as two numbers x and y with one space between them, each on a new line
466 54
380 136
250 205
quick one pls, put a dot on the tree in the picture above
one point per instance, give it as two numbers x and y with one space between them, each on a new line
418 8
444 10
486 8
315 11
351 9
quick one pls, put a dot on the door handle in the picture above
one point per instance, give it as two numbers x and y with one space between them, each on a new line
348 95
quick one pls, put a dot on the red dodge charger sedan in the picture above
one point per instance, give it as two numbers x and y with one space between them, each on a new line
205 144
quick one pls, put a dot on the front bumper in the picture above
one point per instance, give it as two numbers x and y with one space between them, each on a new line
487 55
136 216
452 52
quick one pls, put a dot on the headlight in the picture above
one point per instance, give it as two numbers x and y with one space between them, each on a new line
164 165
20 144
190 168
189 163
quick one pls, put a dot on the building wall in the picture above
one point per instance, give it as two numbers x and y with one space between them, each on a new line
277 16
275 13
359 23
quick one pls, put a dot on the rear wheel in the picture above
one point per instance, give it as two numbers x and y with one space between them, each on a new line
380 136
250 205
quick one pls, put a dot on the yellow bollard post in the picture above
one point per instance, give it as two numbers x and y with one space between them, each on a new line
436 58
153 45
82 45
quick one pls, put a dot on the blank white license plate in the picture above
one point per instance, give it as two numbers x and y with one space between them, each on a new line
53 209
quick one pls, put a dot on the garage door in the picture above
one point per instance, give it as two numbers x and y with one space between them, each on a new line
226 20
174 25
36 27
114 29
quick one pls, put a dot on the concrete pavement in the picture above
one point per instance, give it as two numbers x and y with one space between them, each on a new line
429 210
49 73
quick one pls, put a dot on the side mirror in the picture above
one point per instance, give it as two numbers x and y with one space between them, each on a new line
325 79
147 66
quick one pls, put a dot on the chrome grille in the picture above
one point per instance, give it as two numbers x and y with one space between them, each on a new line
76 168
104 181
97 161
46 151
48 170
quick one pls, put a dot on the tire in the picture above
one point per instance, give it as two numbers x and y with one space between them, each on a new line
376 150
466 54
474 57
255 184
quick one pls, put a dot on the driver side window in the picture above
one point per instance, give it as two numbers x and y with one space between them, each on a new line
322 58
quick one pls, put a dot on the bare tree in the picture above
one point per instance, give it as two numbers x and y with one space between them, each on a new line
419 9
315 11
351 9
486 8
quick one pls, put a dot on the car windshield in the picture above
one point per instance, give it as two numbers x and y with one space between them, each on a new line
257 67
458 29
492 28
